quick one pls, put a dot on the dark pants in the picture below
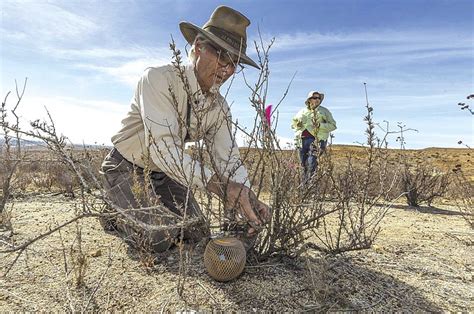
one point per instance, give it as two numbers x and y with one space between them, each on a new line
309 156
149 209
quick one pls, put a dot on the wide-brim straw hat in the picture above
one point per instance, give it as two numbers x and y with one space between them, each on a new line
311 93
226 28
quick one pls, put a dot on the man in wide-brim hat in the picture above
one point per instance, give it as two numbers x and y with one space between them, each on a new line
171 107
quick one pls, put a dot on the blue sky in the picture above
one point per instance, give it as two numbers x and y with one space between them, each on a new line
83 58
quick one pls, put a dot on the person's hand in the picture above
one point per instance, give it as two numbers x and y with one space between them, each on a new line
264 211
318 117
245 202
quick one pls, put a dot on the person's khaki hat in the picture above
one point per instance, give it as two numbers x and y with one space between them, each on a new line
226 28
311 93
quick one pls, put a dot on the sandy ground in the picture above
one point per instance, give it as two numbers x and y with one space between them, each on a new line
422 261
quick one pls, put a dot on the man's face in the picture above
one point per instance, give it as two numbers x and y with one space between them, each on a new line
314 101
213 66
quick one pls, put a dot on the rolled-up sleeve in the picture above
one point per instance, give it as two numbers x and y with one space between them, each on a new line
164 138
225 150
330 124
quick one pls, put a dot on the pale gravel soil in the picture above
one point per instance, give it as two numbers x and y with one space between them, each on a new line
422 261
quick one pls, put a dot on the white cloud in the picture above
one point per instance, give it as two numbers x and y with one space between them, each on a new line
99 53
89 121
12 35
356 50
392 39
243 140
128 72
46 22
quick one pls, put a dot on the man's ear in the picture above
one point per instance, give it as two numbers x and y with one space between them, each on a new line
198 48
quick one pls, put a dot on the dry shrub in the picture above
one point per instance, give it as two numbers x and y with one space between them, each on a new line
463 187
49 176
463 194
10 149
422 184
78 258
338 210
43 172
361 195
5 221
65 170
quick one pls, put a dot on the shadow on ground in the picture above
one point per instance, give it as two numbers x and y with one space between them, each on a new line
321 283
429 210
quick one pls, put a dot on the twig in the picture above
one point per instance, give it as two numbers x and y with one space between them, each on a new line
265 265
207 291
163 308
109 264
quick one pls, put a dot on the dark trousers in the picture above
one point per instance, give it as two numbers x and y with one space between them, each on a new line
150 207
309 156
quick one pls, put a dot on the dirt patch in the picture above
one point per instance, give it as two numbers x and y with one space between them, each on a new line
422 261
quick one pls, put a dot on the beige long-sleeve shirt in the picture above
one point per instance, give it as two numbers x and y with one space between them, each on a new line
154 130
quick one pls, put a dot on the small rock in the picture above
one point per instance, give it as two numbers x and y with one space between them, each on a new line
96 253
468 277
377 248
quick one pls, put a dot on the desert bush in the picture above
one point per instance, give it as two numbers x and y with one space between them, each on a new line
303 216
362 196
464 106
10 149
39 176
420 182
423 183
64 172
463 190
5 221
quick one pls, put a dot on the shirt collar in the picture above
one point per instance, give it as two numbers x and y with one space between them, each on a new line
194 85
192 79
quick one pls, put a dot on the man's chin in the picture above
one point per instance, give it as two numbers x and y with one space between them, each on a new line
215 88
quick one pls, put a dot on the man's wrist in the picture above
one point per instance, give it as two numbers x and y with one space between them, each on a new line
215 185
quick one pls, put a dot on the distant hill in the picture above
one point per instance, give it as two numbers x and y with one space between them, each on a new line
40 144
23 143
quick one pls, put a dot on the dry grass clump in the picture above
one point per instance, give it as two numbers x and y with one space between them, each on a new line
463 194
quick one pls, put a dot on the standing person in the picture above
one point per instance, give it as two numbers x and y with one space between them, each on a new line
312 126
170 107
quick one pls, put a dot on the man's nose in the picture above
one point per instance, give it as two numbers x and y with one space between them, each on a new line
227 69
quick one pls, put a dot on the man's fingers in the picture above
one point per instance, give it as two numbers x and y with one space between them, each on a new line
251 231
251 215
249 206
265 212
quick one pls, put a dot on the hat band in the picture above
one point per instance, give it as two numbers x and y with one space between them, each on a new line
236 42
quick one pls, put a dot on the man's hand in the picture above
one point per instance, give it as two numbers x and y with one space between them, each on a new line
244 200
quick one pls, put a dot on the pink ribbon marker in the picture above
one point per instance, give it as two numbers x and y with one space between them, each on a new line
268 113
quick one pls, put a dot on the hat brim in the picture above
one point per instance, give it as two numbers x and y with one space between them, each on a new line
190 32
320 95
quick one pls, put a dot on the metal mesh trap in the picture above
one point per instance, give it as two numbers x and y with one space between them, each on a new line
224 258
